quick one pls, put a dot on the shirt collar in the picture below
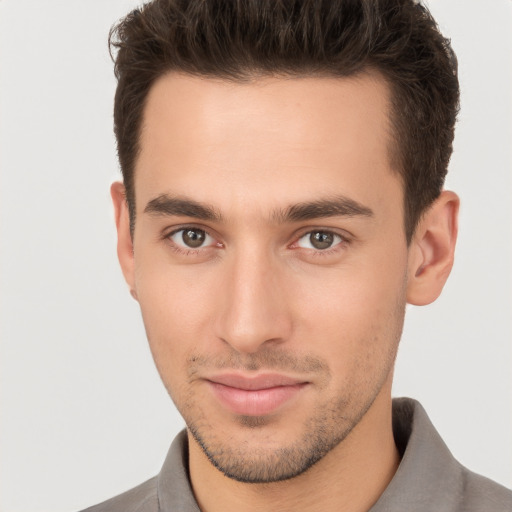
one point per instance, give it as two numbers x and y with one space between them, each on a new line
173 484
428 477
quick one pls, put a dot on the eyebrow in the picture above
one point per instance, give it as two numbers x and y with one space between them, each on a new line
169 206
338 206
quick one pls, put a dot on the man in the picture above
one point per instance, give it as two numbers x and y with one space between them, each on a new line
282 201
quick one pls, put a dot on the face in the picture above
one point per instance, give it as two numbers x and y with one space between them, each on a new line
270 262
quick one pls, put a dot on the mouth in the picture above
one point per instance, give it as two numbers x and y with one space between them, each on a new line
258 395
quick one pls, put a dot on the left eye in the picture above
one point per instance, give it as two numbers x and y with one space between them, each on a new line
319 240
191 238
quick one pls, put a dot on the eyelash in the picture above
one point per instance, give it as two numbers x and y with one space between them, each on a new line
344 241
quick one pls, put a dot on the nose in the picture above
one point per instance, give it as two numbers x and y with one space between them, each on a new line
253 309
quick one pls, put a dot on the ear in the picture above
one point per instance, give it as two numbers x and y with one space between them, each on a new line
124 238
432 250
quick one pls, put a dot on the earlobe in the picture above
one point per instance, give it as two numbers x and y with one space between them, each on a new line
124 238
432 250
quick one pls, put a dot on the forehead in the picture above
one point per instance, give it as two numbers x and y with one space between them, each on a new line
275 140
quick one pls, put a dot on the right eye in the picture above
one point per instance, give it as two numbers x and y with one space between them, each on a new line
191 238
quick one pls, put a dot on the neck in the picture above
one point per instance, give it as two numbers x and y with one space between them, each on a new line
351 477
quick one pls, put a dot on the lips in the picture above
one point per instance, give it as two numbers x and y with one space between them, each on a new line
254 396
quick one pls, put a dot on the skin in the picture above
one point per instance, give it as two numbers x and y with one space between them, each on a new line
258 297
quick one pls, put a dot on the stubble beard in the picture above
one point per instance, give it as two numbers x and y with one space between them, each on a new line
321 434
329 424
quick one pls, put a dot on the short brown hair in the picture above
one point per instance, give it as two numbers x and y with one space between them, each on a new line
242 39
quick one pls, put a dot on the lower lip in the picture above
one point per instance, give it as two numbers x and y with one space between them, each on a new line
258 402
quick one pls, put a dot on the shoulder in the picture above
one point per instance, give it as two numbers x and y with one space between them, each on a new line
481 494
429 477
169 490
143 498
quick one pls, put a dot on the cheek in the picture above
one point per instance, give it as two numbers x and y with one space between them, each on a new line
172 296
176 305
354 314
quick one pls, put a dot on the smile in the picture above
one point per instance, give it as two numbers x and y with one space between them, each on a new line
257 396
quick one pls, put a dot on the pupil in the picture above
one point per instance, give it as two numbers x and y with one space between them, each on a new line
321 240
193 237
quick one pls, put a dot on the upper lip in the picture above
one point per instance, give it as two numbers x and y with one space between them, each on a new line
256 382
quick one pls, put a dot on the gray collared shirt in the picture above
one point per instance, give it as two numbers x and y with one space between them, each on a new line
428 479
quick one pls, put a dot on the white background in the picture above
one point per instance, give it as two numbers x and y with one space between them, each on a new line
83 414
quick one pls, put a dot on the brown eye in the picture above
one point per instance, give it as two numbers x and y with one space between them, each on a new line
319 240
191 238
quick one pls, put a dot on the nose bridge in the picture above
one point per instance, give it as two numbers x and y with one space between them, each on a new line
254 311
